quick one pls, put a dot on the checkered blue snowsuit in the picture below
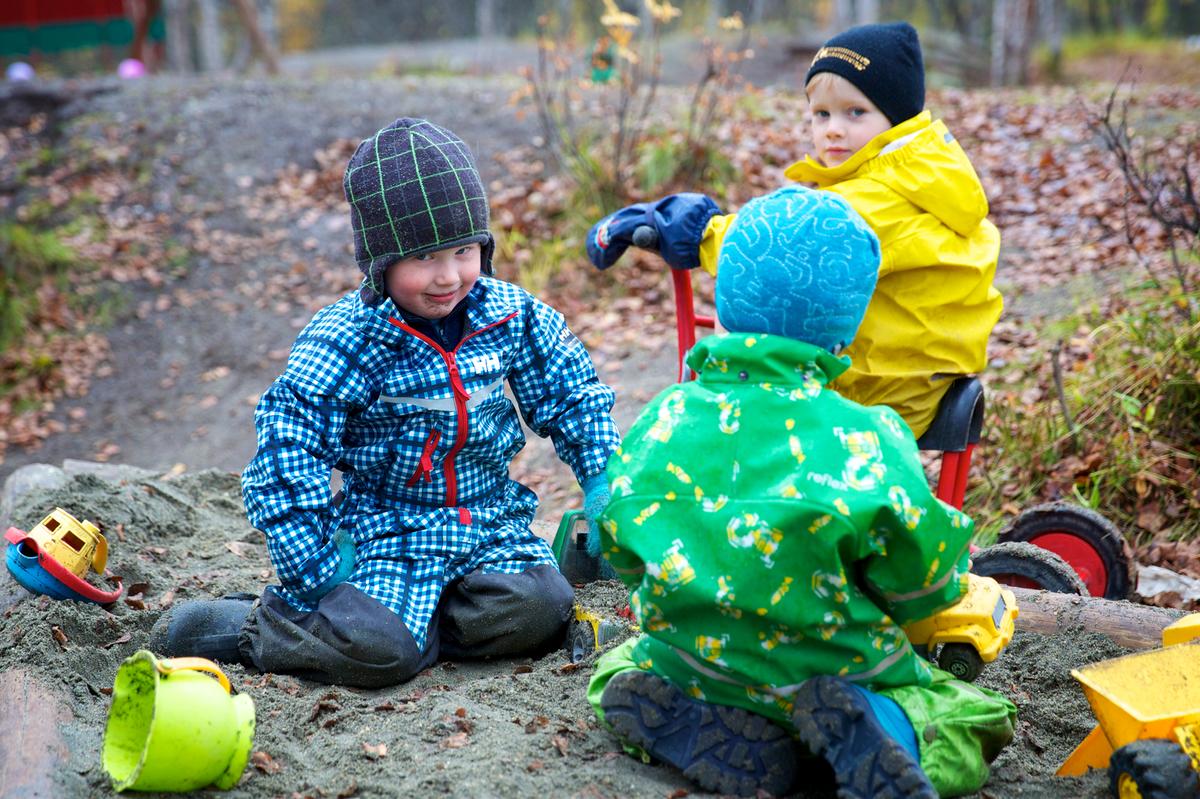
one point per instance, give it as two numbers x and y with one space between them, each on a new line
423 438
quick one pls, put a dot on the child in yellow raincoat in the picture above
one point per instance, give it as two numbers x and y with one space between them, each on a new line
934 304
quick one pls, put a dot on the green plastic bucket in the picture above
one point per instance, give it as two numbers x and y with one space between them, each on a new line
172 727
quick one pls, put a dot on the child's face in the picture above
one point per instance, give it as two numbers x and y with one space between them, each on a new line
430 285
843 119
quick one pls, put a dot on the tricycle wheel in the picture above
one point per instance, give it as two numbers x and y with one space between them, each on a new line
1093 547
961 660
1152 769
1022 564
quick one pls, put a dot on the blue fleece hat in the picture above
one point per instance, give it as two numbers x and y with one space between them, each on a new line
799 263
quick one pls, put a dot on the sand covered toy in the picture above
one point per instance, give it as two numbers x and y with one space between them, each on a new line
54 557
173 727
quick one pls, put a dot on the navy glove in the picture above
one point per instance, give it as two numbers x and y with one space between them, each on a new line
595 500
342 547
678 219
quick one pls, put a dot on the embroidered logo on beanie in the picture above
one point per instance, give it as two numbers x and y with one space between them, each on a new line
883 62
413 188
799 263
856 60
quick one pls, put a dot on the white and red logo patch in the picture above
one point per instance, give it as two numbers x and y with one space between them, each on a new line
602 234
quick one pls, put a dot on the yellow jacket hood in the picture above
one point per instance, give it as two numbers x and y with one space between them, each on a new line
921 161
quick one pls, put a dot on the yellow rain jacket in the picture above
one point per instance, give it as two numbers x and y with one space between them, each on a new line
934 305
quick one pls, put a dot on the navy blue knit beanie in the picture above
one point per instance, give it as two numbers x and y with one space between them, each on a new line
799 263
413 188
884 63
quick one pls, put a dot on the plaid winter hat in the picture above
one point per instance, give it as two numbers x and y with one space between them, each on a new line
799 263
413 188
883 62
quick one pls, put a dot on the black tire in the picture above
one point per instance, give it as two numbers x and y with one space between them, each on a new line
1092 530
961 660
1156 768
581 641
1032 564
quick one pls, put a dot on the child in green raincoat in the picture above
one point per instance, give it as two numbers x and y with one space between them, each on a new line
775 535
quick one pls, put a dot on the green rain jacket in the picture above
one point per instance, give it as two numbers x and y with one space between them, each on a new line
771 530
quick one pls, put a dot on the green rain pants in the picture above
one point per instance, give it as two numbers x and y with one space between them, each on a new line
960 728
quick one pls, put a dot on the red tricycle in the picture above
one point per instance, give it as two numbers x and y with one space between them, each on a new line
1056 546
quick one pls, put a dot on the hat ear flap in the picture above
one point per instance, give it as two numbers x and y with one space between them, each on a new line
487 250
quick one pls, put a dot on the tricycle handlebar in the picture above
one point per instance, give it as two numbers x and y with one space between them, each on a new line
645 237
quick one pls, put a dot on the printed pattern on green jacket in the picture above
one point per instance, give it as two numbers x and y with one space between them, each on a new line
770 530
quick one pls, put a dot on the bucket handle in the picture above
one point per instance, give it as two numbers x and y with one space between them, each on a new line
167 666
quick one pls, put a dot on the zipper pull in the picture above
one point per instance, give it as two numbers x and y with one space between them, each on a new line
456 384
425 465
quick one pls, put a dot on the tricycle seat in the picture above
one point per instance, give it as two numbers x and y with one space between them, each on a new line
959 419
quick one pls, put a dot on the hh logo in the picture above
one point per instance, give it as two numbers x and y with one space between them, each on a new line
484 363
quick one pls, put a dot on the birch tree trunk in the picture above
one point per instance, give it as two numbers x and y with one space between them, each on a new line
843 15
261 46
1051 18
485 18
179 35
755 12
209 38
1000 16
867 12
716 11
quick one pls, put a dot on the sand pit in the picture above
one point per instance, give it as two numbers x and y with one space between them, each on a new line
506 728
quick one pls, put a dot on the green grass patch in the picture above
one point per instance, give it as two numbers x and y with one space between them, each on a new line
1126 43
27 257
1131 451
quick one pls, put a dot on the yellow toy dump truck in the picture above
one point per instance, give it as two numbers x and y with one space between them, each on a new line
1147 706
970 633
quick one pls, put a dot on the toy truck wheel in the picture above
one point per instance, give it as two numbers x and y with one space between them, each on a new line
1083 538
581 640
1152 769
961 660
1027 566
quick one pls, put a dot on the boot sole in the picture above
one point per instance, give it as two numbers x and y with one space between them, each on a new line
723 749
836 724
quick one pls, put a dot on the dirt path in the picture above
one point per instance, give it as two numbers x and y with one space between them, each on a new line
183 383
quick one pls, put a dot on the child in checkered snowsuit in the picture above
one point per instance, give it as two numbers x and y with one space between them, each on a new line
775 535
426 552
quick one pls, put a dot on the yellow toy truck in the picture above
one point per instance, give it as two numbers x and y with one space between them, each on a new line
970 633
1147 706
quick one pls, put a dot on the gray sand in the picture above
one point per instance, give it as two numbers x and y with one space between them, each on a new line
507 728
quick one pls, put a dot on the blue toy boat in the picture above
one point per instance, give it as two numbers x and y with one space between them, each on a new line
31 558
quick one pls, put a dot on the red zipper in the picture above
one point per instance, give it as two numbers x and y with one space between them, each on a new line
460 400
425 465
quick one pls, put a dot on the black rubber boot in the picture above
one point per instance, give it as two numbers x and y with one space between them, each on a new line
723 749
837 724
207 629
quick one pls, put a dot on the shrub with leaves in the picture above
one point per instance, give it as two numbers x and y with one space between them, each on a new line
599 114
1108 417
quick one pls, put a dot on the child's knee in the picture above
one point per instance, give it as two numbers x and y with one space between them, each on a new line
350 639
493 613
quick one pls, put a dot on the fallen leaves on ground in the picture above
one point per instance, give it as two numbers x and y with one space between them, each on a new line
1054 192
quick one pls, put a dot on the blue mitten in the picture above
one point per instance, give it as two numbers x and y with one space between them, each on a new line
341 546
678 219
595 500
